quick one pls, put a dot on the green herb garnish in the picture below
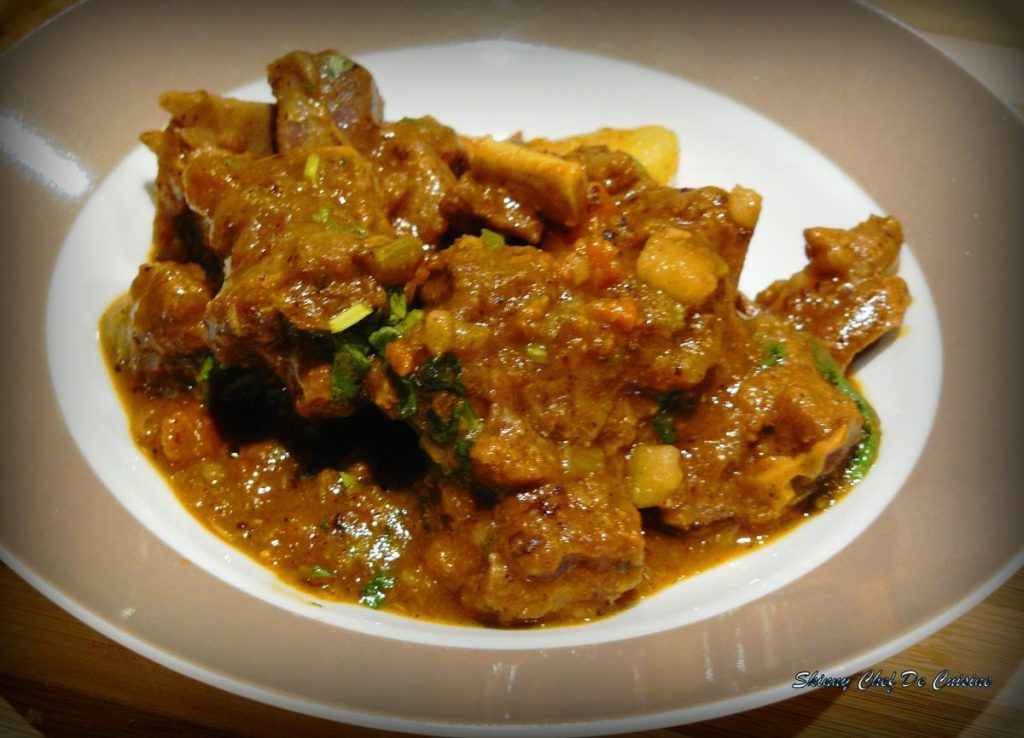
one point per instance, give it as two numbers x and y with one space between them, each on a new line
351 362
204 376
312 166
337 65
442 374
866 450
348 482
664 417
774 353
376 589
491 239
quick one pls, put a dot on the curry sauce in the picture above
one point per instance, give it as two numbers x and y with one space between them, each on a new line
507 383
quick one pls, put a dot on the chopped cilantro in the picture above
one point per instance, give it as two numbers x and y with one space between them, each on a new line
408 402
774 353
668 406
375 591
866 450
351 363
397 305
442 373
319 572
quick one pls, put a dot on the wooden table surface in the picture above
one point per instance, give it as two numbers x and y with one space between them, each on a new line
58 677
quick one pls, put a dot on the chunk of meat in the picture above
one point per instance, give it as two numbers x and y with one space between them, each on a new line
414 161
766 427
199 120
324 99
298 250
156 331
848 295
569 550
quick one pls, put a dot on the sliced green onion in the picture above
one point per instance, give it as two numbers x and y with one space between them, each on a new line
319 572
312 166
321 215
207 369
537 352
491 239
354 228
347 480
349 317
400 253
337 65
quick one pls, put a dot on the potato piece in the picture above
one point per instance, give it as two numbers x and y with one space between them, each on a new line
551 184
655 147
671 262
655 472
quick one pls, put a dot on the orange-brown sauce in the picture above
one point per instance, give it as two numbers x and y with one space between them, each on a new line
478 381
261 498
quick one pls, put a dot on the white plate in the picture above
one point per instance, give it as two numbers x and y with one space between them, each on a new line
722 143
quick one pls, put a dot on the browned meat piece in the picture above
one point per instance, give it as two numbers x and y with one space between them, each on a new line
768 425
199 120
157 330
515 189
324 99
297 247
245 203
563 424
414 161
566 550
169 302
847 296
